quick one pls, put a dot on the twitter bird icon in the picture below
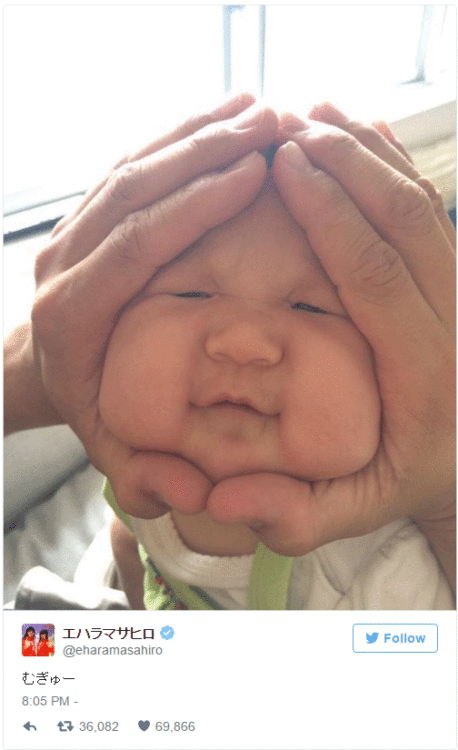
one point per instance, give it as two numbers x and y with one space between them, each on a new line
371 638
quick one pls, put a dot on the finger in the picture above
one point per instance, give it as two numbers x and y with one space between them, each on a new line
372 279
386 131
369 137
381 143
439 208
152 483
388 149
141 183
228 109
84 302
294 517
146 484
282 519
433 193
397 209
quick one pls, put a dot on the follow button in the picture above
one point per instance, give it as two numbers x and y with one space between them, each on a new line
395 638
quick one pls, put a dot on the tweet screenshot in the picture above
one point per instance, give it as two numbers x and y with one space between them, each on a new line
229 680
229 376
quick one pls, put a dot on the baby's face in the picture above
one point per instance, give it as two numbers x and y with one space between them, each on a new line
240 358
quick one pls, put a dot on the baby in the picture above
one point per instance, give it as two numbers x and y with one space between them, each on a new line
239 357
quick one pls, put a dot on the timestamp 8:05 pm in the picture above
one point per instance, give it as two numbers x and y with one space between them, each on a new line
45 700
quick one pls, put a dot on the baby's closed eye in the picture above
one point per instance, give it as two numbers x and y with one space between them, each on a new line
308 308
193 295
296 306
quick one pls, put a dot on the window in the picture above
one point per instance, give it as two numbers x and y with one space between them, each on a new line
377 61
345 52
84 84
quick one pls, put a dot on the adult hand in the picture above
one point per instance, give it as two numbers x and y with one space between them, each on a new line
152 206
383 237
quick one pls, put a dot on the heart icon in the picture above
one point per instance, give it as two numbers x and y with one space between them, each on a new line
143 725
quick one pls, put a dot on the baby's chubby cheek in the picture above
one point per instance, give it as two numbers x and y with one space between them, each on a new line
331 418
142 381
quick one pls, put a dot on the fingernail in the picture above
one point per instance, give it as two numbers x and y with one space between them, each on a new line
238 101
292 124
329 113
251 117
296 158
384 129
245 162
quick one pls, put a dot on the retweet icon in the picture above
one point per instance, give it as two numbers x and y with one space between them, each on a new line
371 638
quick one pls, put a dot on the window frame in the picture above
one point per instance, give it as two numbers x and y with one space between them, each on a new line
426 120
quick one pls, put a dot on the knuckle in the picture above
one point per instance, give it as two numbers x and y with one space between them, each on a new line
198 148
191 204
362 132
120 162
126 239
400 147
123 183
48 313
434 195
45 260
337 145
205 144
59 226
369 137
408 208
332 199
197 122
377 269
205 203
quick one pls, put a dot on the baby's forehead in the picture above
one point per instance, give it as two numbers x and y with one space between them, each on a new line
262 242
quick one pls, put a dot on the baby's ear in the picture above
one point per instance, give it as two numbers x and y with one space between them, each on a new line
269 154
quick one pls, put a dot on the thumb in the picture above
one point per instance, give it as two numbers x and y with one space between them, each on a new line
152 483
294 517
280 510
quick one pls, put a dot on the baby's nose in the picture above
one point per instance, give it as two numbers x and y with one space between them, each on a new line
244 342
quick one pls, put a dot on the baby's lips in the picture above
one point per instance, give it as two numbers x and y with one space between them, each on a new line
228 398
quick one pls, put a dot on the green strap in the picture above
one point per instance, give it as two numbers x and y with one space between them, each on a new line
269 580
110 498
267 589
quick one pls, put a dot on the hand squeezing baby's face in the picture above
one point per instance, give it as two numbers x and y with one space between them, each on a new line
239 357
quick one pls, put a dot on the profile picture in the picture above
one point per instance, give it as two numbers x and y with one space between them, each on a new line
38 639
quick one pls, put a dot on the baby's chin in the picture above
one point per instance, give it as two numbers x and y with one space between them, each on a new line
224 467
